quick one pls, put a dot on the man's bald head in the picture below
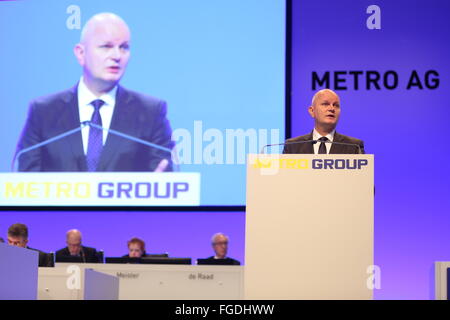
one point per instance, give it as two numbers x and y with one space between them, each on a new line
325 109
73 240
73 234
102 20
103 52
320 93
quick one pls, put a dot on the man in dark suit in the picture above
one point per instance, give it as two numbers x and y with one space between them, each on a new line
325 110
103 53
18 236
75 249
219 243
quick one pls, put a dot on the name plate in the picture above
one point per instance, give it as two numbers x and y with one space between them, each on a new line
100 189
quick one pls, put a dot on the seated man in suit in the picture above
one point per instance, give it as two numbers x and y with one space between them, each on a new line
18 236
325 110
97 98
219 243
136 248
75 249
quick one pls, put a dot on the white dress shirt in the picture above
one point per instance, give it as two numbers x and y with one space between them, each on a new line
317 136
85 109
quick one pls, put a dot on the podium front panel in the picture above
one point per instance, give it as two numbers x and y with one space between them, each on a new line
309 227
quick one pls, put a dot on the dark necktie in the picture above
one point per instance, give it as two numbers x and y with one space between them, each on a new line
95 143
323 147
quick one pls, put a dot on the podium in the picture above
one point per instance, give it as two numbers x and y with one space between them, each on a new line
309 226
18 273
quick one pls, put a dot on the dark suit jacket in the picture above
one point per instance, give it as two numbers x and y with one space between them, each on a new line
44 258
230 260
135 114
308 148
90 254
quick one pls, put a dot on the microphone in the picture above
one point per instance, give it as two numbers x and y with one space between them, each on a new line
75 130
128 137
44 143
314 142
82 255
287 143
345 144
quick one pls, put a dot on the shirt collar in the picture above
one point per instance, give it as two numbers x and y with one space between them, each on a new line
85 96
317 136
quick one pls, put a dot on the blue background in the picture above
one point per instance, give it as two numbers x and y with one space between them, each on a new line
406 129
218 62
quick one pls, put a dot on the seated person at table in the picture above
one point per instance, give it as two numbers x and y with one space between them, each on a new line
136 248
75 249
18 236
219 243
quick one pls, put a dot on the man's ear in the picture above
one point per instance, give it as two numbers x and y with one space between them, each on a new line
311 111
79 52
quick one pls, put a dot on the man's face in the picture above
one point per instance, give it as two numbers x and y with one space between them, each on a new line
135 250
105 52
326 110
17 241
74 245
220 246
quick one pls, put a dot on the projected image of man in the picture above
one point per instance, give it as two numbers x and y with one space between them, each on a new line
98 98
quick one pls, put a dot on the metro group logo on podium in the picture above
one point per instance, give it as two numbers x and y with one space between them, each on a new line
274 163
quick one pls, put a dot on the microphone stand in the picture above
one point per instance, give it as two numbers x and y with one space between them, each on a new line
44 143
126 136
93 125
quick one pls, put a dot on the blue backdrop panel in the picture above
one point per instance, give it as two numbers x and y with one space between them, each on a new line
405 128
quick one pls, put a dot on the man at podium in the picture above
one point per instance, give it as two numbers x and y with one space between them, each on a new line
325 109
